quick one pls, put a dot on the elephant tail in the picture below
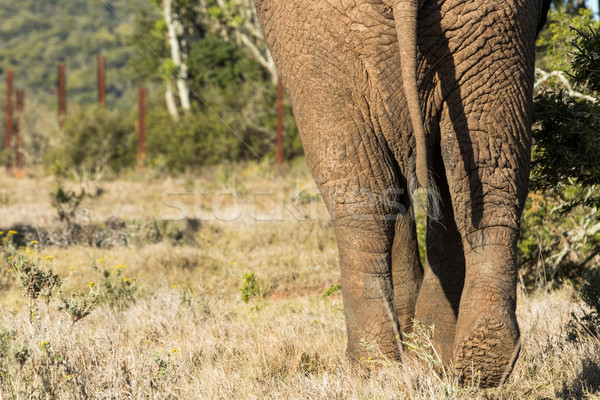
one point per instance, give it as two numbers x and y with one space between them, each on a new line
405 15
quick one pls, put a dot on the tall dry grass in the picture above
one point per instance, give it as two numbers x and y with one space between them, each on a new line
189 335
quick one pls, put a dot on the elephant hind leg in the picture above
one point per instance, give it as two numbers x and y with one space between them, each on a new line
407 271
365 243
443 280
487 335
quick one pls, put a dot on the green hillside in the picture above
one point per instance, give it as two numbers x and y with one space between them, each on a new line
36 35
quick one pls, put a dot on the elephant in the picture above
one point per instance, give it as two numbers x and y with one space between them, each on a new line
396 97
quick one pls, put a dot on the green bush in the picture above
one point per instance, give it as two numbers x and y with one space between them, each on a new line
33 273
94 141
555 44
567 132
555 248
196 139
114 287
560 230
233 115
587 323
250 287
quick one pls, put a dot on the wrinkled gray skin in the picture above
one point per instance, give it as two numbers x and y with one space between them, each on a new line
342 62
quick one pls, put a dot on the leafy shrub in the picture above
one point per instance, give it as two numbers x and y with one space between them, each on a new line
554 247
567 144
588 323
67 203
34 275
567 132
560 228
587 58
332 289
79 305
555 44
250 287
94 141
196 139
114 286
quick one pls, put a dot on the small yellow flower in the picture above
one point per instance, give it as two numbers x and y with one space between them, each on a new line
34 242
49 258
126 280
148 341
1 232
72 269
43 344
100 260
233 263
11 232
70 377
174 351
91 284
174 285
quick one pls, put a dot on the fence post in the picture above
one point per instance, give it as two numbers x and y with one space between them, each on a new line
20 130
62 95
141 125
9 117
101 72
279 122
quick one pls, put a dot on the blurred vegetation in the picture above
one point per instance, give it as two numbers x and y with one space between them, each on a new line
233 114
555 43
94 141
586 322
36 35
560 233
233 117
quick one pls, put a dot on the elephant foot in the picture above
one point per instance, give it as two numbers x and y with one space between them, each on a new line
437 306
488 352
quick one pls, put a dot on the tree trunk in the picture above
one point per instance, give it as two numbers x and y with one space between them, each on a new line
173 29
170 98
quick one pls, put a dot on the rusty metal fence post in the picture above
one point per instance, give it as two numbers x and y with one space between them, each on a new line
101 71
20 129
141 127
9 117
62 94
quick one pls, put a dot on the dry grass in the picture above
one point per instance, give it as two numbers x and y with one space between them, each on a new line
188 334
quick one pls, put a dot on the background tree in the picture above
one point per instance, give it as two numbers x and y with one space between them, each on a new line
178 26
236 20
37 35
230 76
560 232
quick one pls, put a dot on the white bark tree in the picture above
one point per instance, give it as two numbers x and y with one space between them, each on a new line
170 100
236 20
175 70
174 38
